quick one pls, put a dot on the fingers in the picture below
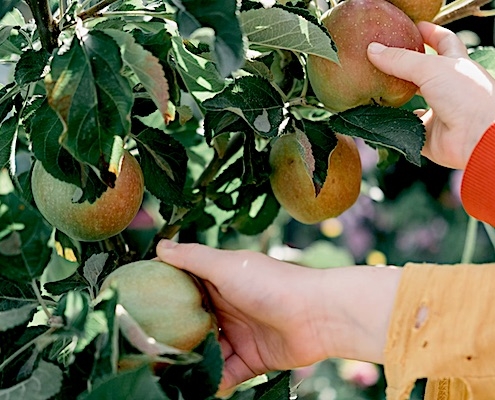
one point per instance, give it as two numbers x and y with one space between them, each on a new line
235 371
409 65
202 261
414 66
444 41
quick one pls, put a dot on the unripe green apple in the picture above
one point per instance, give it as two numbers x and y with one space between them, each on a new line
109 215
353 25
419 10
293 186
165 301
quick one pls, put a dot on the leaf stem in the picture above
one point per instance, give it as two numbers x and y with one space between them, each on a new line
460 9
40 299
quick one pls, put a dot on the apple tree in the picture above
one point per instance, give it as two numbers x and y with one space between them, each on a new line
197 92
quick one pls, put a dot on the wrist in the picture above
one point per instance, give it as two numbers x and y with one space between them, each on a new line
357 306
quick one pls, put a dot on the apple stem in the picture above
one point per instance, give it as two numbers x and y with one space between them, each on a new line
459 9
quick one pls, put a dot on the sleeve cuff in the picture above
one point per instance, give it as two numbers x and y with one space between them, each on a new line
442 329
478 182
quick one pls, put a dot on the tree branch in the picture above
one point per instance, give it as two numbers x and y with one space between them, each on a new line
93 11
459 9
168 231
47 27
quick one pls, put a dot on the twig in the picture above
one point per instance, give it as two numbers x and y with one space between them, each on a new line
47 27
168 231
459 9
91 12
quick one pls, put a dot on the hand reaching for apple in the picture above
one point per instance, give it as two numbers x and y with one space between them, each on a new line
275 315
459 91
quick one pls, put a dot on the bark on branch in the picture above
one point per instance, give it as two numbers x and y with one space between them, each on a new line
47 27
458 10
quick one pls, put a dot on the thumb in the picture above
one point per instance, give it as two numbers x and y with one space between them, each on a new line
409 65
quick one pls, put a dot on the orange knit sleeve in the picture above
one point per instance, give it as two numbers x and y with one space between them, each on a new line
478 182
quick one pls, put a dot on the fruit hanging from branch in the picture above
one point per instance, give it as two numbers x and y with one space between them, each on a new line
292 183
353 25
166 302
419 10
109 215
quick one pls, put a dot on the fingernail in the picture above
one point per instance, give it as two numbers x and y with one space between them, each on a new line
167 244
376 48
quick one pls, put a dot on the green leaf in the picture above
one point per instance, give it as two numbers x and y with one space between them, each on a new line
391 127
134 384
24 251
257 216
160 45
105 347
485 56
275 389
253 99
164 164
31 66
322 141
73 307
280 29
93 268
96 324
44 383
93 99
219 122
7 6
199 75
199 380
221 16
46 129
72 282
16 316
14 293
146 67
12 42
8 134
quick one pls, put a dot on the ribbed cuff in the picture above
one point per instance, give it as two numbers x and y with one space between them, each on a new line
478 182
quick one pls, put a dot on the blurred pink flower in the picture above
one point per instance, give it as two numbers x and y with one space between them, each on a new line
359 373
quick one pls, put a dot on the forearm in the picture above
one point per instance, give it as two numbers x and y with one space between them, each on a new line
357 307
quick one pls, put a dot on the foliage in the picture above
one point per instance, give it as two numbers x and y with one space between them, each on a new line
197 91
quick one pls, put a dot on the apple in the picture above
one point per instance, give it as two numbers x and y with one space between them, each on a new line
109 215
419 10
353 25
166 302
293 186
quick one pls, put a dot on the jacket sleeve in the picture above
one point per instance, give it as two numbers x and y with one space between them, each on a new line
478 182
442 328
